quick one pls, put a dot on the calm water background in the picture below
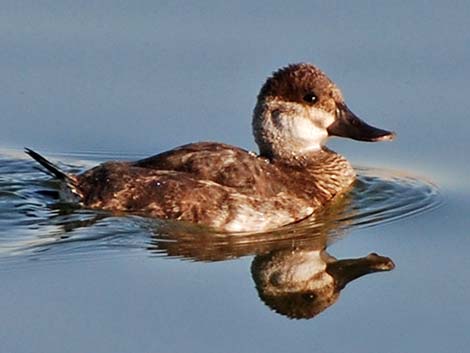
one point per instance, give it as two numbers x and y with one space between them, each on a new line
137 78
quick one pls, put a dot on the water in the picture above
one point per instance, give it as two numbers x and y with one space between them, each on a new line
36 224
80 80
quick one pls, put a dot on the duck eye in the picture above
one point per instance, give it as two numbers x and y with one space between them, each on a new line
310 98
308 297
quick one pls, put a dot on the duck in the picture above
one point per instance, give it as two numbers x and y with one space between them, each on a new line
302 283
230 189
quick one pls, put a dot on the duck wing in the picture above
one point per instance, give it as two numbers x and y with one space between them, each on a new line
119 187
220 163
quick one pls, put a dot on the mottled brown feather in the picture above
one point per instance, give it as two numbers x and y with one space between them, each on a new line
226 187
293 82
198 183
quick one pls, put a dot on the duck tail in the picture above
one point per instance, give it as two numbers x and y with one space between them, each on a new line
50 168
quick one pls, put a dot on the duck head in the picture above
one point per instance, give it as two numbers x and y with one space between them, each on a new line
300 284
299 108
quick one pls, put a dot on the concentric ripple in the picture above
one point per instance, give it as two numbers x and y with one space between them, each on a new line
34 224
381 196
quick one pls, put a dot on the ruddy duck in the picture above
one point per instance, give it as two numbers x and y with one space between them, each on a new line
231 189
301 283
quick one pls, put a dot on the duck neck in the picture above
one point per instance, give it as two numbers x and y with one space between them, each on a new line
294 141
320 174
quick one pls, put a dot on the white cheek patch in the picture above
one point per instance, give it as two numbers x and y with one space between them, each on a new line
300 270
305 132
321 118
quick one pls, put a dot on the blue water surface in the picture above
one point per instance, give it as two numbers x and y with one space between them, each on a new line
82 81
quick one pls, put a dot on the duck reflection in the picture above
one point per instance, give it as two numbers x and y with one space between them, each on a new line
301 283
293 273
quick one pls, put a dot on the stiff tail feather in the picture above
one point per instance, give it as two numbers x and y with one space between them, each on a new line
70 181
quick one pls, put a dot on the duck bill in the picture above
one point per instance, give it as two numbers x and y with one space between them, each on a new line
347 124
347 270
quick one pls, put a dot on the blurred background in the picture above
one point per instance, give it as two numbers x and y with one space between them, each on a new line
140 77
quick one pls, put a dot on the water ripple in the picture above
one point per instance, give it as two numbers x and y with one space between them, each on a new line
33 224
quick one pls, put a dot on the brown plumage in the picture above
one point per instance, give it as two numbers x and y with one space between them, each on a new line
228 188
